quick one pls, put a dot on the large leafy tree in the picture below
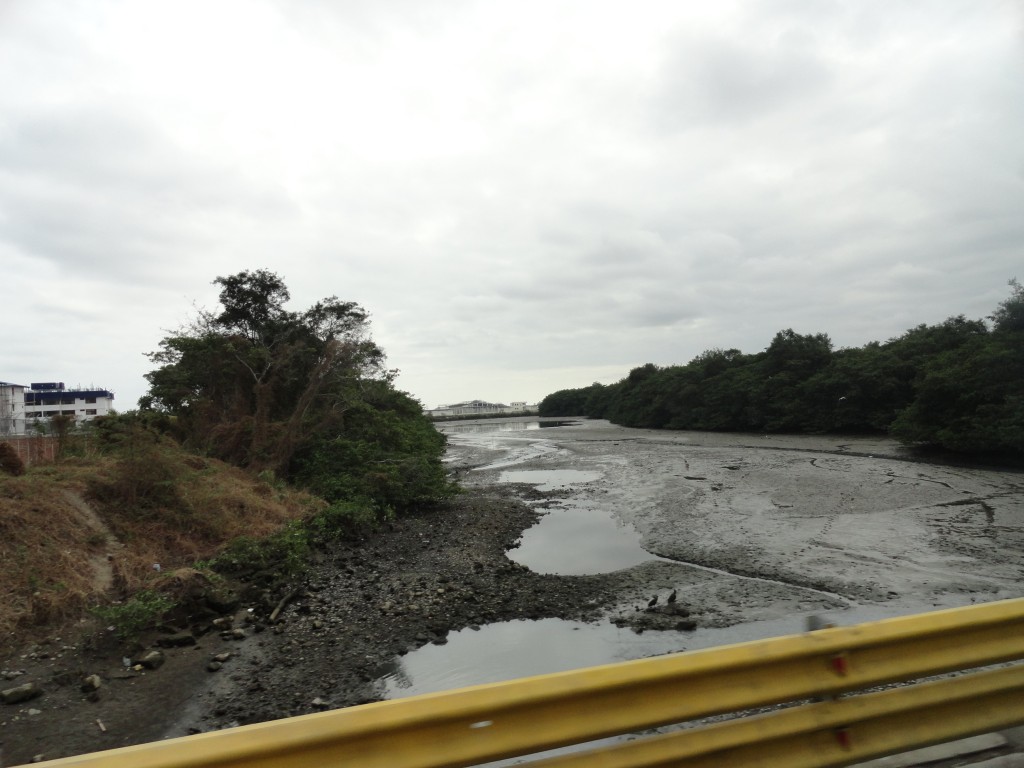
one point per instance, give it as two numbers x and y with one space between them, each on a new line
955 385
260 385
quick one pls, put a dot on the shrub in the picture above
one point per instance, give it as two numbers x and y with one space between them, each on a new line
135 615
285 552
345 519
10 461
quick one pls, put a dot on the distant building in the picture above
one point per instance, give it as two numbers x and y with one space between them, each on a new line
479 408
21 408
12 409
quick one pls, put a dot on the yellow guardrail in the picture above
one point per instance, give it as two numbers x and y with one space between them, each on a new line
824 674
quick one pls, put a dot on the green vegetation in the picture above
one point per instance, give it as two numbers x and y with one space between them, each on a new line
265 433
955 385
134 616
302 395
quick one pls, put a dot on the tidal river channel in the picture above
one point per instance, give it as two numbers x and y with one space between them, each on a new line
755 533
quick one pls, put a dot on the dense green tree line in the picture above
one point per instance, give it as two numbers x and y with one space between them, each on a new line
302 395
958 385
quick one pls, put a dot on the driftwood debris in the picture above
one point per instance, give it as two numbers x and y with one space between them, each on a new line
282 603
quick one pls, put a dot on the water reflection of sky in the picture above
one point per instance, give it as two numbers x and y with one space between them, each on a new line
576 540
514 649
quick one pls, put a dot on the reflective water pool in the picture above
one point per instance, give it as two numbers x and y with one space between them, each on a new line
512 649
574 540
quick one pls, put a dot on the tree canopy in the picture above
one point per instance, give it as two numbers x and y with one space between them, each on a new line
956 385
304 394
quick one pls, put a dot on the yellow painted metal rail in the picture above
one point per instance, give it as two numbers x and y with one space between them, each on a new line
825 676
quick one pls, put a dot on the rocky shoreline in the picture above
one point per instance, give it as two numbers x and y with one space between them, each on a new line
358 607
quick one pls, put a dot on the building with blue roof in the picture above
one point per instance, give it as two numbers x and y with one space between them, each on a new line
22 408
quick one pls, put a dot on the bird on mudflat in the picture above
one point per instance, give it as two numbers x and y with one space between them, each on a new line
672 597
652 602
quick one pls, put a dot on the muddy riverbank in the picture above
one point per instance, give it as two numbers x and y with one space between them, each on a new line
751 534
359 608
857 520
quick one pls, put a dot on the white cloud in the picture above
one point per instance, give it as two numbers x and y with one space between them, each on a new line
525 197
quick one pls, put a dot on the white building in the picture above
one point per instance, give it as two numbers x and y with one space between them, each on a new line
48 399
479 408
12 409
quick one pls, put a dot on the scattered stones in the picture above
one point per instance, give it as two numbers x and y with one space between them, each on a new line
361 615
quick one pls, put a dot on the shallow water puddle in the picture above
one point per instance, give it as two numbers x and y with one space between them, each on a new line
512 649
549 479
574 540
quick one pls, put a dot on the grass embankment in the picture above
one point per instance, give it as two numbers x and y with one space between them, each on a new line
88 529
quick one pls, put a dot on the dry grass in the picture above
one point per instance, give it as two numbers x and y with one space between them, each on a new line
69 540
45 548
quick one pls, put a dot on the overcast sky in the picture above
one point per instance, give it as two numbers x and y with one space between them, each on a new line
526 196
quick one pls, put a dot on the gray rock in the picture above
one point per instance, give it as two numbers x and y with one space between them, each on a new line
222 600
177 641
152 660
20 693
91 683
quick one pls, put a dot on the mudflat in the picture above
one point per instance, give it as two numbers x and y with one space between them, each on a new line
741 528
804 520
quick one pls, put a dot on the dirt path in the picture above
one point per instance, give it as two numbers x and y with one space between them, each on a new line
101 564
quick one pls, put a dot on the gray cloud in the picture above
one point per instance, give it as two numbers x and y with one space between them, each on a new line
524 199
96 188
723 81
